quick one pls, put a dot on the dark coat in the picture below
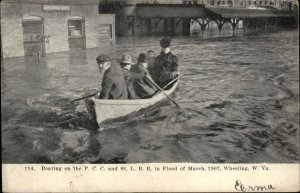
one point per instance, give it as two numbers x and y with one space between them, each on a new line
151 67
130 78
164 69
142 87
113 84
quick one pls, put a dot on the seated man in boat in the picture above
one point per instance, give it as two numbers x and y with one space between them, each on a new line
150 57
165 65
143 87
130 77
113 82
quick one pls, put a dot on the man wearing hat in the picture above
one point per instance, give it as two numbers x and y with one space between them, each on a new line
142 87
165 65
113 82
130 77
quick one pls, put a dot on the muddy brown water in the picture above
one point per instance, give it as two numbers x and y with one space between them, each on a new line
239 97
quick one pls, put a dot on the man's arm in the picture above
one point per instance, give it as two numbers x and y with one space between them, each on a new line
106 87
136 76
175 63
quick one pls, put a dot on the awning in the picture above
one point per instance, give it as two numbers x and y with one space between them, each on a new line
232 12
169 11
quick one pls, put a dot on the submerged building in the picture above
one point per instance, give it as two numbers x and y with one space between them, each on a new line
176 17
30 27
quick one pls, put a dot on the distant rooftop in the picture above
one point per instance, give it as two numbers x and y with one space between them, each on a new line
235 12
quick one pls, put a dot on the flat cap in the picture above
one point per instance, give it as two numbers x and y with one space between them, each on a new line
103 58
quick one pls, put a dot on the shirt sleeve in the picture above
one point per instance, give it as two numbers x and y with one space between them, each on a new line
106 87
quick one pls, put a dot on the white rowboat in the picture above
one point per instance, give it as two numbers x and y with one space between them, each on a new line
109 109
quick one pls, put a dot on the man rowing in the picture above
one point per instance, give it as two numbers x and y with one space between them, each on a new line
130 77
165 67
144 88
113 82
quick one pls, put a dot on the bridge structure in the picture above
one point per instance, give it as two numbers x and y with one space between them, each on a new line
142 19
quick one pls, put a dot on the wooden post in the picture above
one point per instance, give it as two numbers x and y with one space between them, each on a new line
186 26
220 24
38 57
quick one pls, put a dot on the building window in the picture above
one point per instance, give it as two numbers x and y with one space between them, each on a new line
75 28
76 33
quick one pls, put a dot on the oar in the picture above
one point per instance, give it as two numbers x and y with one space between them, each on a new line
172 81
163 92
175 79
91 95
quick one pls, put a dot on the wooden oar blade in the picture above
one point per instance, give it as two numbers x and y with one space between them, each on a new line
81 98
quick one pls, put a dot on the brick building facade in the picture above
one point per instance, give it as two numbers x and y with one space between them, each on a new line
45 26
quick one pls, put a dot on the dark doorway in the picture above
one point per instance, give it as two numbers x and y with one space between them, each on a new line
148 26
76 33
33 35
186 26
130 27
166 27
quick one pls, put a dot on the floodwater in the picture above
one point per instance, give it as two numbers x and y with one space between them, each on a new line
239 99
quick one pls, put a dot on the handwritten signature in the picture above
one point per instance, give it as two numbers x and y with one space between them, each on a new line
243 188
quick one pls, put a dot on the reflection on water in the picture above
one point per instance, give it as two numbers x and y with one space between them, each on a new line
239 97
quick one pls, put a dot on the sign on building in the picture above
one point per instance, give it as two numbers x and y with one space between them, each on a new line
47 7
105 31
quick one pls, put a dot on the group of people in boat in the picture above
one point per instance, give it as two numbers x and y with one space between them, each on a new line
127 80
